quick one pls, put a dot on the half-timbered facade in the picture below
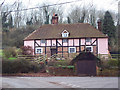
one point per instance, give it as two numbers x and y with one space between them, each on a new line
66 39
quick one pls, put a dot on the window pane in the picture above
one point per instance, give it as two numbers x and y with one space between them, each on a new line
88 49
43 41
65 40
38 50
88 40
72 50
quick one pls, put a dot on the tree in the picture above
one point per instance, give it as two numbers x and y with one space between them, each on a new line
78 15
108 26
29 22
46 15
68 19
10 21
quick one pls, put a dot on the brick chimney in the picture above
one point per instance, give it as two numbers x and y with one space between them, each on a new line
55 19
99 24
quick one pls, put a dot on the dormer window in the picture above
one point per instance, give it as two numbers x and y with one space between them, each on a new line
65 33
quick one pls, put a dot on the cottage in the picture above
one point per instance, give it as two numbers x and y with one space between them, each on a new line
66 39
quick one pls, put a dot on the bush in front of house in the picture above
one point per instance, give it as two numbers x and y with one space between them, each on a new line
108 64
58 63
9 52
27 50
20 66
61 71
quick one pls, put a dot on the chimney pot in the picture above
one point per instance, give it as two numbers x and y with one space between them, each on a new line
99 24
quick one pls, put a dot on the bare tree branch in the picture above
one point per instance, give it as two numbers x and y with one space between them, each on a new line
2 3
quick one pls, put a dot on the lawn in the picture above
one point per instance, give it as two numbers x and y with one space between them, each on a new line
1 53
12 58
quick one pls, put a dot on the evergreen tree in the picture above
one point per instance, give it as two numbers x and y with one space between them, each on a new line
68 19
46 15
29 22
108 26
10 22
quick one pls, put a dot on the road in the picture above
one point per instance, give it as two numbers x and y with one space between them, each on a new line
59 82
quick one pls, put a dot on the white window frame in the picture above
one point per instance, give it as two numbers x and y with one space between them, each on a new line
43 40
65 34
37 49
90 47
70 48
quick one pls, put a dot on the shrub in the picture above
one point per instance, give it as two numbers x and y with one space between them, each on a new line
10 52
27 50
113 63
108 64
60 71
58 63
20 66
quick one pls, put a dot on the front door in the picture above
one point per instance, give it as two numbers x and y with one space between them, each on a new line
53 51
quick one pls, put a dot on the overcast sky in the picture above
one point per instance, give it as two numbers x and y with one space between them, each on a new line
111 5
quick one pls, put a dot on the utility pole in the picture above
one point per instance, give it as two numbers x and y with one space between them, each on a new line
0 46
119 13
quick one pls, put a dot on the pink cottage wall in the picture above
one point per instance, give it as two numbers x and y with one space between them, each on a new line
102 43
29 43
103 46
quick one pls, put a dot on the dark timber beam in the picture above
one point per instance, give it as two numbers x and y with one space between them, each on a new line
45 46
62 47
68 46
34 47
79 45
56 47
93 42
97 46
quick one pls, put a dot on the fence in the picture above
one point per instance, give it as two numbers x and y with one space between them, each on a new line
109 56
41 57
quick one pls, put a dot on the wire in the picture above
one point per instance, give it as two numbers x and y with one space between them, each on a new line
42 6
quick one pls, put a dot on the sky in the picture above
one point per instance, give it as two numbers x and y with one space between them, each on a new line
111 5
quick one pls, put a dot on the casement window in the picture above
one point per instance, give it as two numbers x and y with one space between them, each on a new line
89 48
65 40
43 41
72 49
65 33
38 50
88 40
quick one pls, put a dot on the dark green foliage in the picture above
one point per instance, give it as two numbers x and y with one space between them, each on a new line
4 19
10 22
27 50
68 19
21 66
58 63
29 22
7 22
113 63
92 20
10 52
15 37
108 64
108 26
61 71
46 15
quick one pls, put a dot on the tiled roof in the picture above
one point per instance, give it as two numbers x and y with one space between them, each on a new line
51 31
